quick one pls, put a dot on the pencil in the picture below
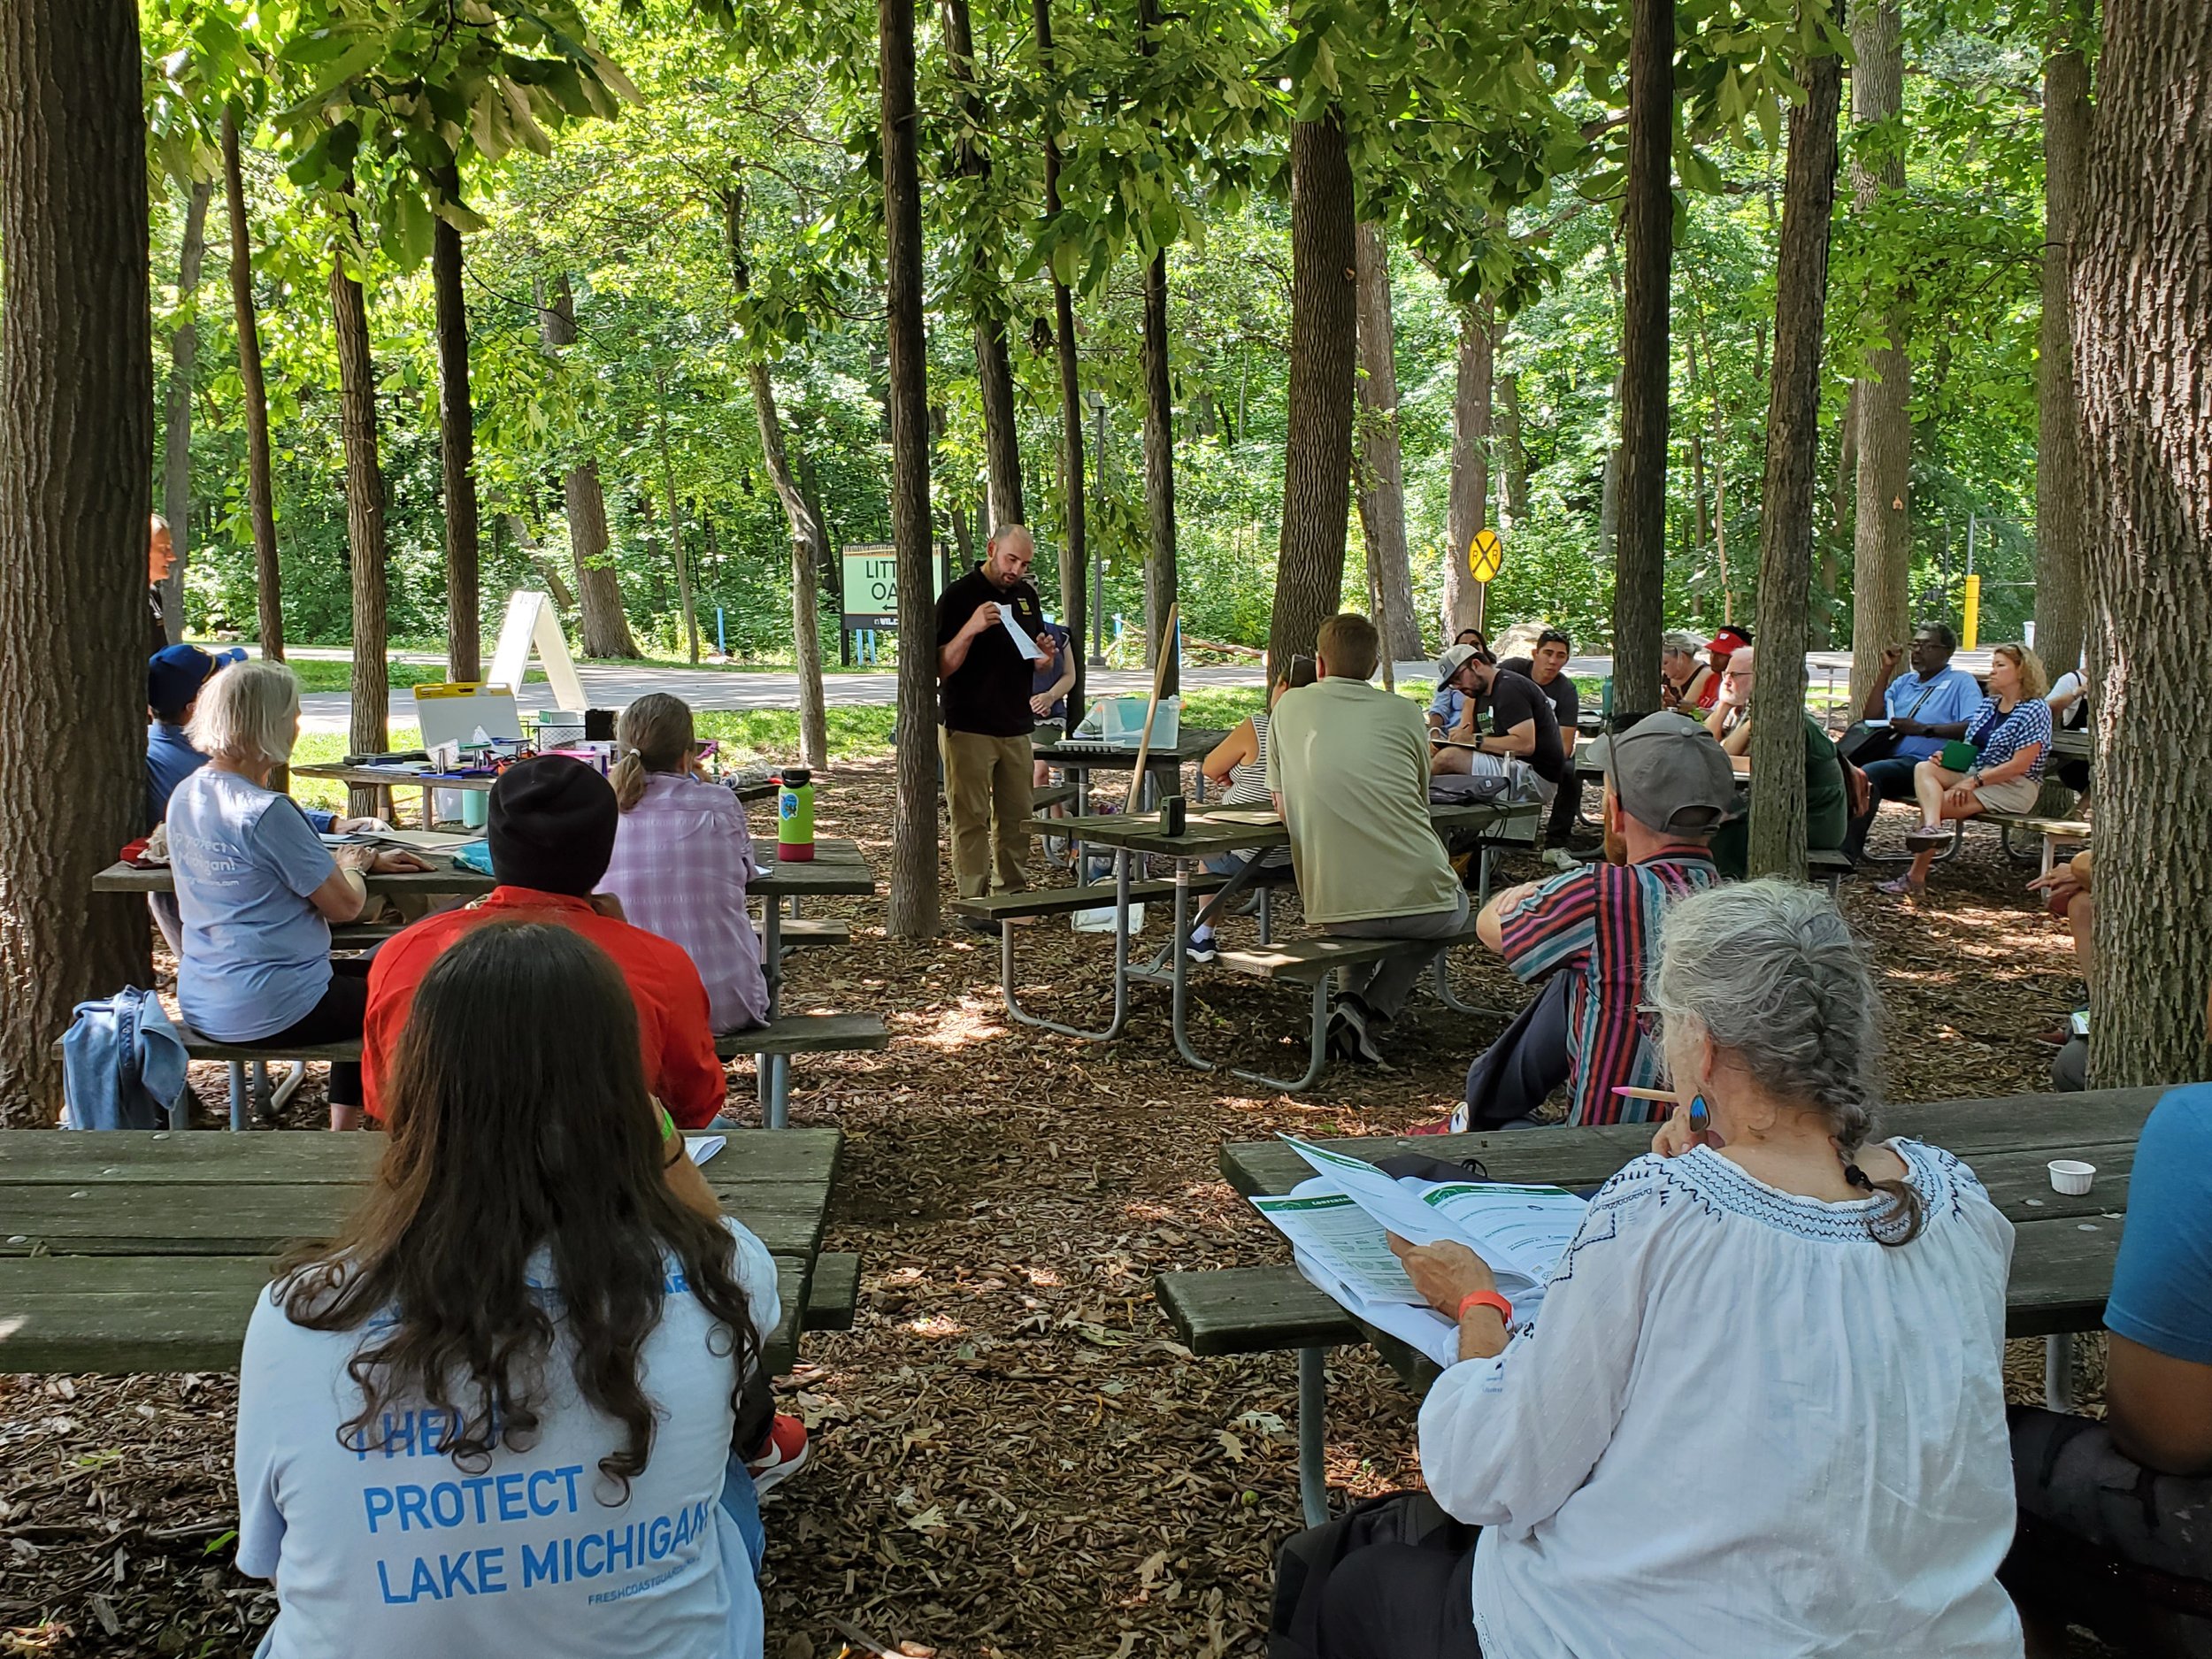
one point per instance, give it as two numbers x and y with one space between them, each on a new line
1668 1096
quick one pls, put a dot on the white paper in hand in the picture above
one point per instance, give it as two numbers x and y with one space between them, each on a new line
1027 646
703 1147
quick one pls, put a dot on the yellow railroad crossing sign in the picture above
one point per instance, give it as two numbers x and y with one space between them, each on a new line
1485 556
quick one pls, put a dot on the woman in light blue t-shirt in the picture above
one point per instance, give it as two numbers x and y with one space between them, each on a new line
497 1415
256 890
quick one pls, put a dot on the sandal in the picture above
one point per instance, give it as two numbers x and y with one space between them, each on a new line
1904 887
1927 838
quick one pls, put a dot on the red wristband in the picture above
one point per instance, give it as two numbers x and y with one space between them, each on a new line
1487 1299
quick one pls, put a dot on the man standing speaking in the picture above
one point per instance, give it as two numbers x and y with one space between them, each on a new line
991 639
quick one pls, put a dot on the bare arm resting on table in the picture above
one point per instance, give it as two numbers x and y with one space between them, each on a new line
1231 752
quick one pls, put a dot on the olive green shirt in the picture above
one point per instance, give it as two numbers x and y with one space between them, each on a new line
1350 762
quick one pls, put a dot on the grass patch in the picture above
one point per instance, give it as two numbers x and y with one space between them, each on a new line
752 735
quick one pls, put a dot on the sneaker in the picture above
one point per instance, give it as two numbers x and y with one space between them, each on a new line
1358 1021
1203 947
782 1454
1560 859
1454 1124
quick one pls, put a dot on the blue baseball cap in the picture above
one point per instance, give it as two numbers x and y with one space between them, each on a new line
175 674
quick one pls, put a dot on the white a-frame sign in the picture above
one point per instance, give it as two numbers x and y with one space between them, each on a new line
531 627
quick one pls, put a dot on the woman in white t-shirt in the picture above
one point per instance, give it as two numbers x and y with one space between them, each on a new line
497 1415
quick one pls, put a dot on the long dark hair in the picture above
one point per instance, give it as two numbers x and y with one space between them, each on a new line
506 1143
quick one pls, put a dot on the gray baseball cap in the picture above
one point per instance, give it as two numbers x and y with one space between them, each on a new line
1669 773
1455 658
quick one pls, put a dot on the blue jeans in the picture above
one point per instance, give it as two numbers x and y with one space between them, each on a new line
1889 779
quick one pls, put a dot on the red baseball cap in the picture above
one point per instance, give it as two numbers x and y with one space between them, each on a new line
1728 642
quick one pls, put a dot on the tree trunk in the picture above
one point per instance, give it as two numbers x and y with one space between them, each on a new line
1882 538
1467 507
604 624
810 552
1324 351
1786 519
2142 309
810 546
549 572
1648 226
76 455
1074 555
176 441
913 911
1382 506
1159 474
2060 537
993 367
370 731
1512 449
253 393
456 446
675 513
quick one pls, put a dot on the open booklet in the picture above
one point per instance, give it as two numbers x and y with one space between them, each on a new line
1339 1222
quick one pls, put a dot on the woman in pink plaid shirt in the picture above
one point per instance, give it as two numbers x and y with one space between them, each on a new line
682 858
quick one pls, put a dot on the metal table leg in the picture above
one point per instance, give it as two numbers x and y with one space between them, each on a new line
1317 1057
237 1093
1015 1010
2058 1371
1313 1436
1178 943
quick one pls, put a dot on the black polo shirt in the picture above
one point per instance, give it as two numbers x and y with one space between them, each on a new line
989 694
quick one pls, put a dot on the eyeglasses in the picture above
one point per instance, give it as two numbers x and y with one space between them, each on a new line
1737 673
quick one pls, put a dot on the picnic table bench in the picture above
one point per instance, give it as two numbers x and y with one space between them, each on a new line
1246 834
2062 1258
126 1251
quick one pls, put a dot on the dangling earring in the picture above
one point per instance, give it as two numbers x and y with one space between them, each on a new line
1701 1115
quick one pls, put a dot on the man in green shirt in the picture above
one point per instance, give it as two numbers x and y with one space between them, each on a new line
1827 812
1348 765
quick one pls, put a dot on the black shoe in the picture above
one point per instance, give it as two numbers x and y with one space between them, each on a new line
978 924
1358 1018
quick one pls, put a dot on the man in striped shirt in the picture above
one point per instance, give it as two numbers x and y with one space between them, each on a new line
1595 930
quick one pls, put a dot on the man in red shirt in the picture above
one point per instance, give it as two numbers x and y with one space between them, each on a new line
552 829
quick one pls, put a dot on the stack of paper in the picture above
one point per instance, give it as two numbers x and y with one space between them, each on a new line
1339 1224
703 1147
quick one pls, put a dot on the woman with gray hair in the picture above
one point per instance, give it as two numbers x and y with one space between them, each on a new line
1762 1409
257 889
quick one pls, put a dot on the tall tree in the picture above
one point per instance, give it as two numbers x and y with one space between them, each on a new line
2062 572
253 394
810 546
1786 524
1382 486
676 554
913 911
1160 578
369 730
76 453
176 425
1882 534
1074 553
1647 235
2142 305
457 439
1323 352
1468 509
1512 449
993 364
605 624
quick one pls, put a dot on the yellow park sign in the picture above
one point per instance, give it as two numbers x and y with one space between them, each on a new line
1485 556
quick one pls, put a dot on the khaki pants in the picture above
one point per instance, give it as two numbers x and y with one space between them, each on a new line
987 795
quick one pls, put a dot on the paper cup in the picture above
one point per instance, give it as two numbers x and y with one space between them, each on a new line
2071 1177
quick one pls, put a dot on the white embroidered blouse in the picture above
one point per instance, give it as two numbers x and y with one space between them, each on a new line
1740 1425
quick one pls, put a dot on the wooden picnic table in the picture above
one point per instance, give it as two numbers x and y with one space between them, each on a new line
1205 835
2063 1252
389 778
131 1251
1082 756
838 869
